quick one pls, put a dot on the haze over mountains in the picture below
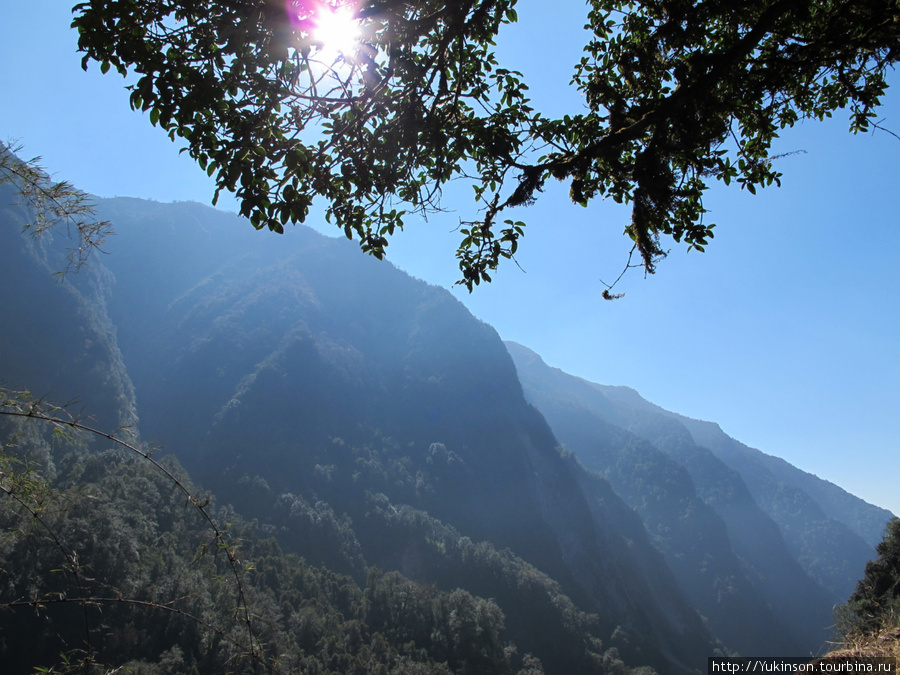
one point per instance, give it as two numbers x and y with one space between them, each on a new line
746 534
367 420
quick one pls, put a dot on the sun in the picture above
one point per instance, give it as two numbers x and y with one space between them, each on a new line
337 29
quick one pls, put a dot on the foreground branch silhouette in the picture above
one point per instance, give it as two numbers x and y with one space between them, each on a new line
22 485
675 95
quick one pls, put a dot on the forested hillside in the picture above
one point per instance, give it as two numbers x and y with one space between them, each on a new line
389 500
363 418
153 591
746 534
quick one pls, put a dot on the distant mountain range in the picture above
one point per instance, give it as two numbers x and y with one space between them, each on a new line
746 534
369 421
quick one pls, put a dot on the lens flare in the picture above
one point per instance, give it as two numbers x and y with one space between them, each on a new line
331 24
337 29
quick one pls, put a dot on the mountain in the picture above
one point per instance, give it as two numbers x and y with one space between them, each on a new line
56 339
815 516
746 534
363 417
828 530
378 430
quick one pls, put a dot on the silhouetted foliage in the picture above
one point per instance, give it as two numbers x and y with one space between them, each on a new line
875 604
675 95
52 203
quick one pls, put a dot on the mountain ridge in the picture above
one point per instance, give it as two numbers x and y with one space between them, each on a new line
776 552
370 421
332 382
871 528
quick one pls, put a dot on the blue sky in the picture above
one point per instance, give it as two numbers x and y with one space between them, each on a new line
785 331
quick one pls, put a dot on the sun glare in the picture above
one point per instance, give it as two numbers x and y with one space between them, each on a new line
337 30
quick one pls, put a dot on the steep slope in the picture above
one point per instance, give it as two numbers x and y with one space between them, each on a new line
691 536
339 402
829 531
700 512
56 338
148 600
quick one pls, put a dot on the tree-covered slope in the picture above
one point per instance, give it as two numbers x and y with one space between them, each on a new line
56 338
331 375
829 531
368 421
106 569
813 512
765 574
688 532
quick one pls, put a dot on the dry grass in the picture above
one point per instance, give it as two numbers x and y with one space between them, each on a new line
884 643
